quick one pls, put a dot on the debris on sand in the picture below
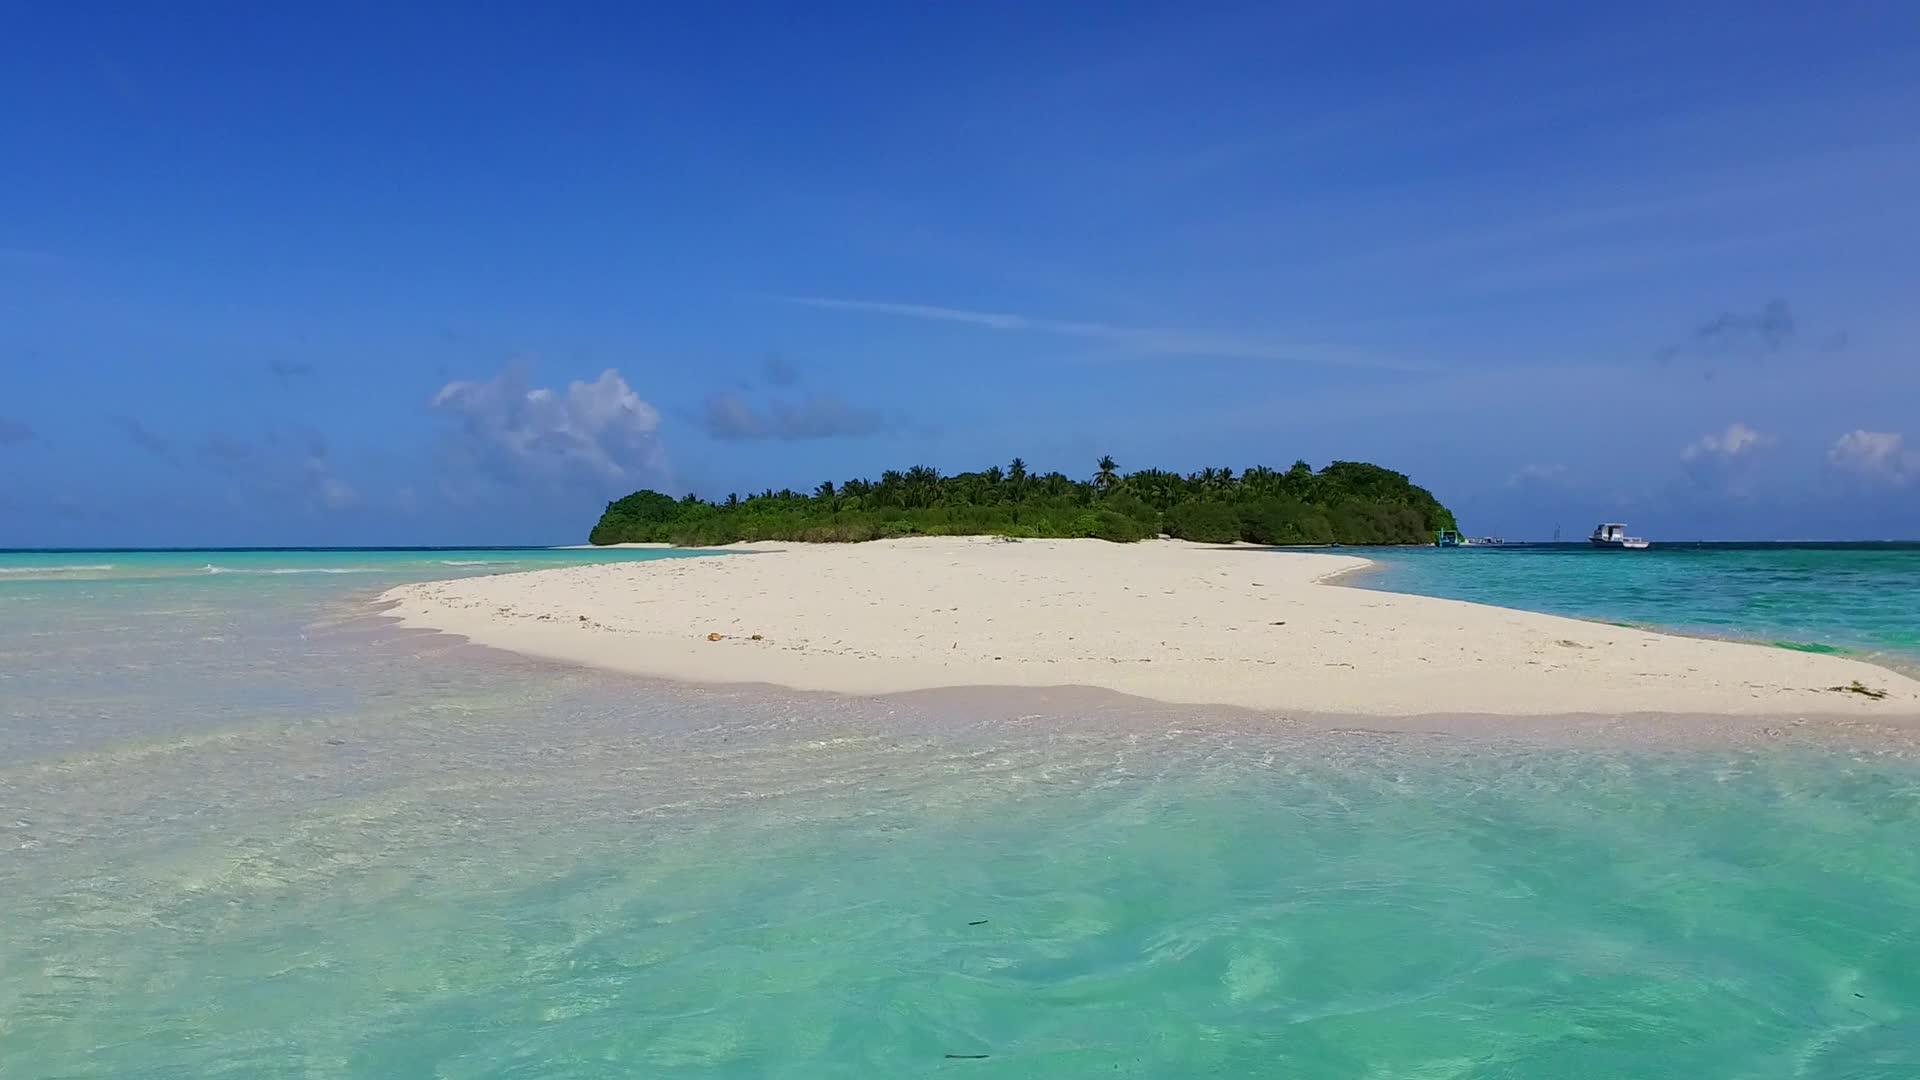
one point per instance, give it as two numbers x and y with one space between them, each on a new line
1858 687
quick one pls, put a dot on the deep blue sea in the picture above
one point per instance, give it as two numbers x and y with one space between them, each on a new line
246 831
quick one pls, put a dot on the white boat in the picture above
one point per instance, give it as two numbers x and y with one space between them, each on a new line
1613 534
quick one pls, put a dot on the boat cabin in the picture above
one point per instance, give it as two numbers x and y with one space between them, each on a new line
1614 535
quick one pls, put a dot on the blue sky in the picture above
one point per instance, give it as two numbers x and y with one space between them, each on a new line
356 275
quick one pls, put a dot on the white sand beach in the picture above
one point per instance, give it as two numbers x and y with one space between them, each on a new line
1175 622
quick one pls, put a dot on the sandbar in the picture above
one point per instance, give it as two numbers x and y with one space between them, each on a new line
1184 623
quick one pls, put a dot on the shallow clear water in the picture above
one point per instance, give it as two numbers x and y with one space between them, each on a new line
245 834
1862 599
363 565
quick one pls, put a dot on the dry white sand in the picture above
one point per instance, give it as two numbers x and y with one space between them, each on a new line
1165 620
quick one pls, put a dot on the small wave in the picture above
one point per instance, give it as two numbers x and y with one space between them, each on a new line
212 569
477 562
75 569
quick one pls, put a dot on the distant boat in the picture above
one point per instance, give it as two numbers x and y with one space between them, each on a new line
1453 538
1613 534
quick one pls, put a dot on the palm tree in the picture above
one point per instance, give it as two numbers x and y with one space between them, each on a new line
1108 474
923 484
1161 489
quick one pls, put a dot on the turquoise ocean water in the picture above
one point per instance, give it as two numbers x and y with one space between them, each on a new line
246 832
1860 599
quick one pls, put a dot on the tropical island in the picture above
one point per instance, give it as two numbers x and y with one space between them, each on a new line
1348 502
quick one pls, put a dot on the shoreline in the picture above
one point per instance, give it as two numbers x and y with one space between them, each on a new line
1245 627
1092 711
1902 664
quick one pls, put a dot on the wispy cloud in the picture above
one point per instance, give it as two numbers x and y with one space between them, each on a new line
1530 475
290 464
329 491
1738 333
32 257
224 453
144 437
1770 327
14 432
779 371
1145 341
823 416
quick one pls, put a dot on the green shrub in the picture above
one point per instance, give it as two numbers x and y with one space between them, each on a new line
1284 521
1204 522
1104 524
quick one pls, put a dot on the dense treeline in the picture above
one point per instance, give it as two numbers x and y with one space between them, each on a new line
1347 502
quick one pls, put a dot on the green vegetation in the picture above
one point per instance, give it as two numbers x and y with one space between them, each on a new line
1348 502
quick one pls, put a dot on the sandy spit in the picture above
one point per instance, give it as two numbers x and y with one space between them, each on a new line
1174 622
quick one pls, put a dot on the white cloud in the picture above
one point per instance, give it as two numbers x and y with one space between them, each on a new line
1537 474
598 431
1737 440
1879 454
